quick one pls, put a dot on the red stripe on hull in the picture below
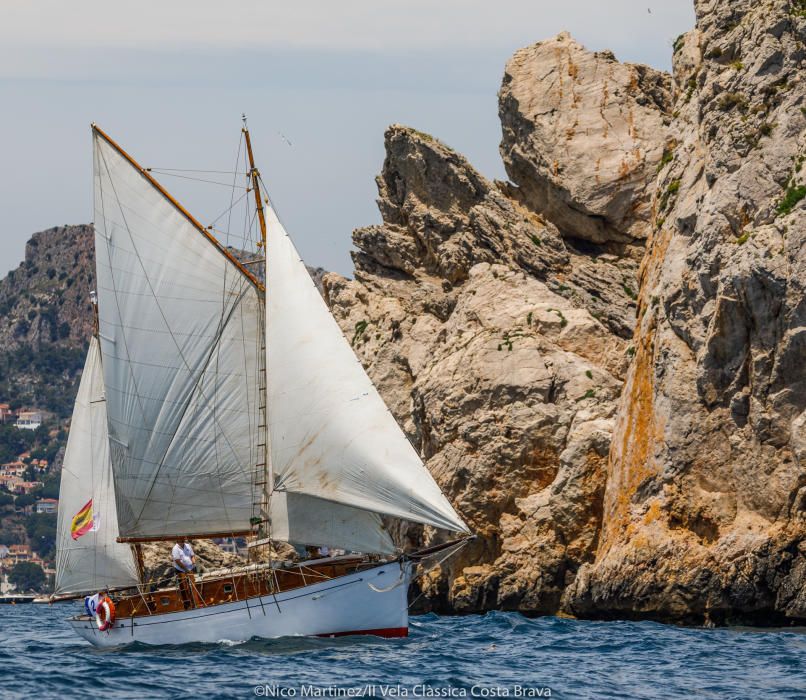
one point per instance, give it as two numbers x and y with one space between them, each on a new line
388 632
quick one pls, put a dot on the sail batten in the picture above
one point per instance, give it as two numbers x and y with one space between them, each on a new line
332 436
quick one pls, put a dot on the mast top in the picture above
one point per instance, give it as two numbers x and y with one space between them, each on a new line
255 175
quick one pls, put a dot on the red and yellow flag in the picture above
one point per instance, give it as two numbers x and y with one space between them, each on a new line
82 521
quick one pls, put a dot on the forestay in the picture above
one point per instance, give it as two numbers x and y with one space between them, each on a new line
332 436
180 340
95 560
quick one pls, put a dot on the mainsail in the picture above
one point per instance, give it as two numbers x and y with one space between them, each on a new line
182 337
331 435
94 560
179 328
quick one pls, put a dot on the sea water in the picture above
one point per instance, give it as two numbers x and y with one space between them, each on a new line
488 656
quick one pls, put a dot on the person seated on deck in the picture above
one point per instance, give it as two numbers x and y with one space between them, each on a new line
183 557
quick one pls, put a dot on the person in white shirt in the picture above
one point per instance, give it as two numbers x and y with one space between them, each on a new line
183 557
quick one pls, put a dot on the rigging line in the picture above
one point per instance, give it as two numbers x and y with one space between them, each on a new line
228 210
193 170
167 325
223 311
450 553
195 179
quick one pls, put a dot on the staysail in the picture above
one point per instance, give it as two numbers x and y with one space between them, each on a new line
331 435
179 328
88 557
307 520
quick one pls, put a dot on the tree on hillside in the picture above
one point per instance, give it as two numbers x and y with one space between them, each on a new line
51 487
26 576
14 442
26 499
41 529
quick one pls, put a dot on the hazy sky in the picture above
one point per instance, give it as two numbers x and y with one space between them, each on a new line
169 80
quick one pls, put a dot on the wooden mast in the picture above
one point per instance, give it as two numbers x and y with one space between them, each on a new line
255 175
267 477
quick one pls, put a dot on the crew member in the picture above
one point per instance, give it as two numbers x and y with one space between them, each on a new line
184 561
183 557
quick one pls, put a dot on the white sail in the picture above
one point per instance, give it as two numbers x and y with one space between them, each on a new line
95 560
308 520
179 329
332 436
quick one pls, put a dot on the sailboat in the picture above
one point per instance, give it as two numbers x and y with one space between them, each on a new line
220 398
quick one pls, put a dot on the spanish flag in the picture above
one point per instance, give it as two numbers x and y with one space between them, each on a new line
82 521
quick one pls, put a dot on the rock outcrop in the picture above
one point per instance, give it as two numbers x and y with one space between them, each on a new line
705 508
507 386
583 136
46 319
497 320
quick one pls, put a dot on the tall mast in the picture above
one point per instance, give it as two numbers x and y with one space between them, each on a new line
264 477
255 176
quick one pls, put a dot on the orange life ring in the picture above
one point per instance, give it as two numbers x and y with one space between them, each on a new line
105 614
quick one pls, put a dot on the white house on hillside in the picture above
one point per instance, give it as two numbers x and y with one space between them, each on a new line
28 420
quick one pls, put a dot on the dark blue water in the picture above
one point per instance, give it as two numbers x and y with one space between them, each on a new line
496 653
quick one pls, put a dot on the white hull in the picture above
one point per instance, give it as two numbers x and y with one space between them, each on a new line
373 601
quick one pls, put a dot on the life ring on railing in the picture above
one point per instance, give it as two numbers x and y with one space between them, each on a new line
105 614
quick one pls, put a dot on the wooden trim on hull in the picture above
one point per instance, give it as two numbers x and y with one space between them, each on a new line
191 592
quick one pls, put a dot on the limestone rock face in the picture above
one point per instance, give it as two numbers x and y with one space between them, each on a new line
583 136
705 505
497 321
504 384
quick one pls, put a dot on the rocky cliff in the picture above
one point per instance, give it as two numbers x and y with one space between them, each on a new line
706 482
625 441
46 320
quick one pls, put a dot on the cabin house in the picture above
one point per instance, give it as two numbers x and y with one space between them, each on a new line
27 486
19 552
29 420
47 505
6 414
